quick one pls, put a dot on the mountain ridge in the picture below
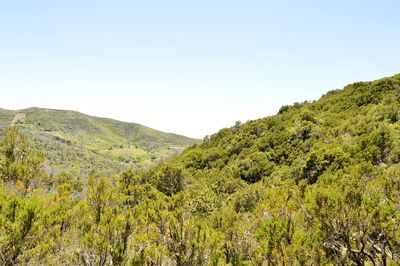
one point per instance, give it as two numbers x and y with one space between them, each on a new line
114 143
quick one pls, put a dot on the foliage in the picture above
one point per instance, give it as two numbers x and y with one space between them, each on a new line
76 144
317 184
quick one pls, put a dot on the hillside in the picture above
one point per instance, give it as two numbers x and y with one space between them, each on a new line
359 124
77 143
316 184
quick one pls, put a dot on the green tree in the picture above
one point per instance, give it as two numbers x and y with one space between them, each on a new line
20 162
20 227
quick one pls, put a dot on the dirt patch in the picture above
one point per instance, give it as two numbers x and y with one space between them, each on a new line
18 118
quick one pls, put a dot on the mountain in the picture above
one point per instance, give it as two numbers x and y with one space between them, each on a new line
316 184
77 143
358 124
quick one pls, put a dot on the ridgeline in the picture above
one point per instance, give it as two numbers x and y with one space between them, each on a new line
76 144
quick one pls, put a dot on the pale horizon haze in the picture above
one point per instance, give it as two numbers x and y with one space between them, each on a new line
190 67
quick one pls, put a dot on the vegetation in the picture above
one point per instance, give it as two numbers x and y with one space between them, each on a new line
317 184
76 144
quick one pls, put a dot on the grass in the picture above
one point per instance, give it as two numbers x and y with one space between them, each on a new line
77 143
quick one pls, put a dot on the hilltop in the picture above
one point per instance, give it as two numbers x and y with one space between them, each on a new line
77 143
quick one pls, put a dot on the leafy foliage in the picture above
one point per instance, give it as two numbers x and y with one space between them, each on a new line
317 184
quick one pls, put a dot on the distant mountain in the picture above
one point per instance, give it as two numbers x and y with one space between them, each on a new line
77 143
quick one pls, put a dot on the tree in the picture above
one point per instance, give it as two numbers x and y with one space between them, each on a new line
170 180
353 223
95 222
19 227
20 162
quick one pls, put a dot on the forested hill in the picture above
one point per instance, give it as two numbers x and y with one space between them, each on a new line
355 125
316 184
76 143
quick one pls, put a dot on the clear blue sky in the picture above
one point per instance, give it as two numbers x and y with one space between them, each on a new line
190 67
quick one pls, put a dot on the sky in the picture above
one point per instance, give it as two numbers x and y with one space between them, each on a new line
190 67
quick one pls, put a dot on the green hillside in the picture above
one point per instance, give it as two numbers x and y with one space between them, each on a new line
78 143
316 184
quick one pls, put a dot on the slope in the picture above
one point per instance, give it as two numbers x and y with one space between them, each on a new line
77 143
354 125
316 184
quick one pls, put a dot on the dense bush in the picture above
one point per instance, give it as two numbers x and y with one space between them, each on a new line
317 184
